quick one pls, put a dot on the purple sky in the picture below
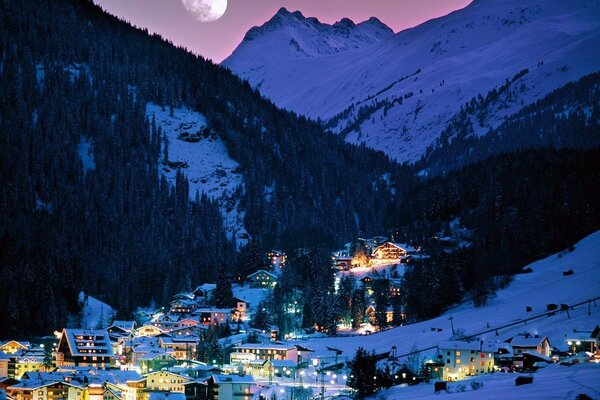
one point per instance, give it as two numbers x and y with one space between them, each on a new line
216 40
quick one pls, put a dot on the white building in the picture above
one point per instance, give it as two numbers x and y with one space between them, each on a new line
462 359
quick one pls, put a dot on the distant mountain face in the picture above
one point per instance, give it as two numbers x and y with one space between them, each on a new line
398 94
291 36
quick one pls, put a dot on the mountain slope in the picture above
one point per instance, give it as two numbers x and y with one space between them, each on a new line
291 36
92 201
505 314
398 95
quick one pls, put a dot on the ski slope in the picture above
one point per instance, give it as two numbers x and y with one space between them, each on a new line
545 285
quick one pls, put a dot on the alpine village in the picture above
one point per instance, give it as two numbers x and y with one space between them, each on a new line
334 211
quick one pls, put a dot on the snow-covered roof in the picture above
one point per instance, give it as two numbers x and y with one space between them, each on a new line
283 363
125 325
213 310
538 355
220 379
262 271
462 345
258 346
206 287
179 339
80 341
526 341
116 376
165 396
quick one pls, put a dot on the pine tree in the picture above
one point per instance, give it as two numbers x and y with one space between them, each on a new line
223 292
363 373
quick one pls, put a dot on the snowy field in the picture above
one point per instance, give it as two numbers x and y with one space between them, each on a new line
545 285
95 314
553 382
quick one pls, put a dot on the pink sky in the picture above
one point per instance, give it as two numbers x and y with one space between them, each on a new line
216 40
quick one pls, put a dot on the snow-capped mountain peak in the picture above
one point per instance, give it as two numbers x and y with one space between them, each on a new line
291 35
397 93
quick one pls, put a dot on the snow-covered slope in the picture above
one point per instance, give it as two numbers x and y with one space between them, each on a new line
552 382
545 285
398 94
203 158
94 314
291 36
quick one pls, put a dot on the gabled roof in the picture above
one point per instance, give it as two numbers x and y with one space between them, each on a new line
526 341
127 326
22 345
206 287
262 271
184 377
84 339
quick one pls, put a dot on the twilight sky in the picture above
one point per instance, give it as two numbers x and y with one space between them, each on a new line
216 40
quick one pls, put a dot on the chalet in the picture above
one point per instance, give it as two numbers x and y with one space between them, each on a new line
205 293
584 340
182 306
522 343
188 330
12 346
36 389
230 387
389 252
254 351
164 381
262 279
181 347
171 322
213 316
148 330
371 243
135 389
462 359
78 347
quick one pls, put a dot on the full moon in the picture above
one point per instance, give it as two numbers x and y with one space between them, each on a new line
205 10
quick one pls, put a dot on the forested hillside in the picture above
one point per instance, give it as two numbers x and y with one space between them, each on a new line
567 117
483 223
82 203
